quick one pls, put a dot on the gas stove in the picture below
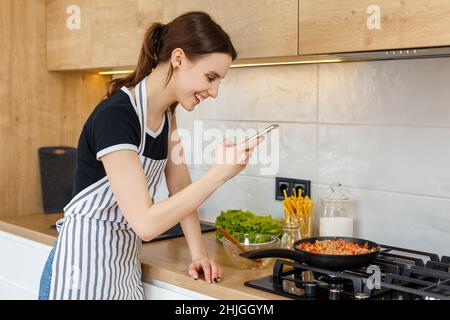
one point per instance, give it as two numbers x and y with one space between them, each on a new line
396 274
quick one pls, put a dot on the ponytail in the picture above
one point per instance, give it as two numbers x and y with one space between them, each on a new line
148 59
194 32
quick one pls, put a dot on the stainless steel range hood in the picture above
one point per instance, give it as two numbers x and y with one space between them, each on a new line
394 54
397 54
413 53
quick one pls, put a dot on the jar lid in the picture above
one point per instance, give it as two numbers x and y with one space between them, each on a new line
336 193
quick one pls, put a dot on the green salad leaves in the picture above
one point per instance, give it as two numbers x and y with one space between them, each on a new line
238 221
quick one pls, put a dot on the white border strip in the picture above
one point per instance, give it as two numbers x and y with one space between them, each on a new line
155 134
130 95
122 146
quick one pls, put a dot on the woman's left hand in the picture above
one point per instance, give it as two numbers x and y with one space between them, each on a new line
212 271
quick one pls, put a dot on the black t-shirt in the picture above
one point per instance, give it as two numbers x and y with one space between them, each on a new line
113 125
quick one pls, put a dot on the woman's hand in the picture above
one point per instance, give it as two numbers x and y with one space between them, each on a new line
212 271
230 158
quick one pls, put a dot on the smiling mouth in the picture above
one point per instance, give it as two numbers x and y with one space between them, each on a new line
198 98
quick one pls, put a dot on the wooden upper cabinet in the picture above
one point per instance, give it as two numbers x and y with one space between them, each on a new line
327 26
86 34
257 28
89 34
68 48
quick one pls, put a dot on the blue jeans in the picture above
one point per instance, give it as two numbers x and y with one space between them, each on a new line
46 277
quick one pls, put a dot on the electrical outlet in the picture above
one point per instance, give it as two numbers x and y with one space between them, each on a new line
303 185
289 184
280 185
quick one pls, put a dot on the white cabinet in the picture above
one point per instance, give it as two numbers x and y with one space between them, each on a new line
22 262
159 290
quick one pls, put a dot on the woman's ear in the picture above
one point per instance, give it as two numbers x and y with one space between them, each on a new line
177 57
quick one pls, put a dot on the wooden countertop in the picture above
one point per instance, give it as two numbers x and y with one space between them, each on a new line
164 260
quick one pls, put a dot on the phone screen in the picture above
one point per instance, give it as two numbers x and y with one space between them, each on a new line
266 130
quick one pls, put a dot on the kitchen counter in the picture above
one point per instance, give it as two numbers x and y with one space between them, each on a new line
164 260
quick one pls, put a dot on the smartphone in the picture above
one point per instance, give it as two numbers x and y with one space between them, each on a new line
266 130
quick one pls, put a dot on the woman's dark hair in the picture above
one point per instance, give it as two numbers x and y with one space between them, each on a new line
194 32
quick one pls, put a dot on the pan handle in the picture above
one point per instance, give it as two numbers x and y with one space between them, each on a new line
274 253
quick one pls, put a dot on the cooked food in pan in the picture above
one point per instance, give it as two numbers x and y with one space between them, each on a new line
336 247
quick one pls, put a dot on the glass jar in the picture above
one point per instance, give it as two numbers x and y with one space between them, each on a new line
291 233
335 214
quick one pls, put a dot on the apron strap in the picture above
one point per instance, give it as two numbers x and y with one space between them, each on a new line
141 104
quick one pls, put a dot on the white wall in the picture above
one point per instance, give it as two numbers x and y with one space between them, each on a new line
382 129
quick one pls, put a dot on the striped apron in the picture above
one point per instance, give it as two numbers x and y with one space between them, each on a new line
97 252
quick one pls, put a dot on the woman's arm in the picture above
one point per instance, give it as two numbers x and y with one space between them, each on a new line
129 186
177 178
148 220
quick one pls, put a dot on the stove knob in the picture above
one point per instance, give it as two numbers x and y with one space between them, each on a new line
334 294
361 296
310 289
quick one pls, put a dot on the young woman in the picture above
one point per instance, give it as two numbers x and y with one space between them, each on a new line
125 146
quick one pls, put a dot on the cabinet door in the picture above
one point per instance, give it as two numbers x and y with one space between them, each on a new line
68 34
327 26
258 28
86 34
21 267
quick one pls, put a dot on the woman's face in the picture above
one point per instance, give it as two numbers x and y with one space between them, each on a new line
199 80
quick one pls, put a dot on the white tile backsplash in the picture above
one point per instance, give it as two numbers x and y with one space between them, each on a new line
380 128
278 93
400 159
401 220
408 92
293 155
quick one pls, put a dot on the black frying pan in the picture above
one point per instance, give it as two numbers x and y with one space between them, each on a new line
328 261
